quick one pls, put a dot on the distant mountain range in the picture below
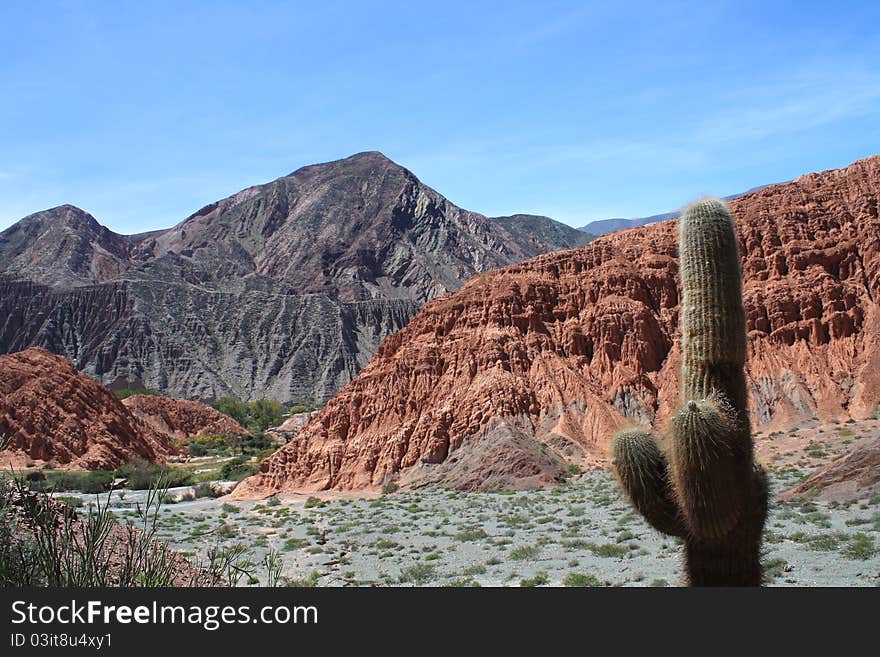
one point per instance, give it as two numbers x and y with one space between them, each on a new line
605 226
283 290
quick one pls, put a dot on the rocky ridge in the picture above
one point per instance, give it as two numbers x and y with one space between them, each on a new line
181 418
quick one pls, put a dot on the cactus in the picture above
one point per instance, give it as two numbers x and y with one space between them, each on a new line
704 487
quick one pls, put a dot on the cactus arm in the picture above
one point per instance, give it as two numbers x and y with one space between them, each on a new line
643 472
708 467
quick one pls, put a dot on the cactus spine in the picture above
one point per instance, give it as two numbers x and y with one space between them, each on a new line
705 487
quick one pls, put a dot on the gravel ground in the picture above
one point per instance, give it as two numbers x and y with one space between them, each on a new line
580 534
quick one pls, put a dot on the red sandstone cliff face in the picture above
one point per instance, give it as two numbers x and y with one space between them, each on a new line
55 414
181 418
566 347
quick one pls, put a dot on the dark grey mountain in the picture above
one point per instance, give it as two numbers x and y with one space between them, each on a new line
282 290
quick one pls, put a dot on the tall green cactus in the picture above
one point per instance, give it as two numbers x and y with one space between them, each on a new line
704 487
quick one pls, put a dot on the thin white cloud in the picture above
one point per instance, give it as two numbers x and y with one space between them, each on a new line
557 26
804 102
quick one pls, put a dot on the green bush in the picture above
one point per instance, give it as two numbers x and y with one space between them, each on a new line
195 449
860 546
254 416
418 573
524 553
311 581
96 481
541 579
128 392
580 580
142 475
237 469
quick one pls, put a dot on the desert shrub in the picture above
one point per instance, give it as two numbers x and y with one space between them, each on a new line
388 489
212 443
142 475
18 550
773 568
204 489
580 580
238 468
128 392
227 530
524 553
540 579
96 481
310 581
418 573
257 441
471 535
609 550
196 449
861 547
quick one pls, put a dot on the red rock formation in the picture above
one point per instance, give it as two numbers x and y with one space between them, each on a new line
181 418
566 347
854 476
55 414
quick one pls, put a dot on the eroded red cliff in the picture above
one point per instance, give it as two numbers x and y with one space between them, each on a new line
51 413
181 418
562 349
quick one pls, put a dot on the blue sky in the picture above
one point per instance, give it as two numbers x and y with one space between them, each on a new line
142 113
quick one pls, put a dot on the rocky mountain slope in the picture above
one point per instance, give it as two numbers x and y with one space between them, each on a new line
283 290
540 230
53 414
181 418
534 365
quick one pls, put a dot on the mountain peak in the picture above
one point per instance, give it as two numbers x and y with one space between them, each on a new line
370 155
363 160
66 212
62 246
